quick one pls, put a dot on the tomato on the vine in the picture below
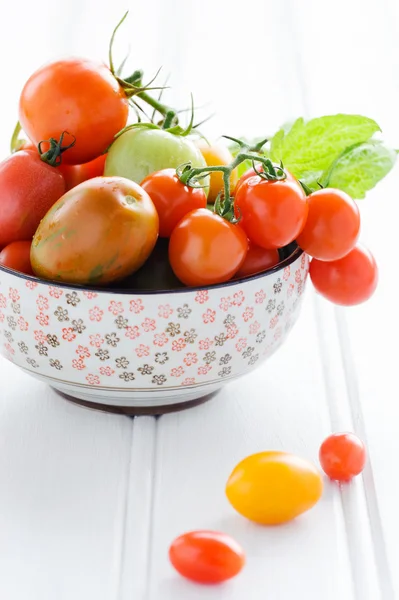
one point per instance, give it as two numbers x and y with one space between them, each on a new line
252 173
342 456
272 213
216 155
16 256
332 227
76 174
257 260
172 199
347 281
205 249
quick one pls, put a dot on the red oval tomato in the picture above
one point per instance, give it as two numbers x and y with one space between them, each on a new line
29 187
76 174
347 281
75 95
206 556
172 199
332 227
342 456
272 213
205 249
257 260
16 256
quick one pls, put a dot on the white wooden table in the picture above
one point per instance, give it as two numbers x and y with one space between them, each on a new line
90 502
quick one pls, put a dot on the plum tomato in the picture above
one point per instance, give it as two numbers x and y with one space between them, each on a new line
16 256
257 260
216 155
75 174
75 95
207 557
332 227
205 249
100 231
342 456
272 213
273 487
347 281
172 199
29 187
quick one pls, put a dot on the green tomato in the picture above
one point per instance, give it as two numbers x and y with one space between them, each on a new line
141 151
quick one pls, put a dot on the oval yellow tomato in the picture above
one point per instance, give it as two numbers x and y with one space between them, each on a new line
215 155
273 487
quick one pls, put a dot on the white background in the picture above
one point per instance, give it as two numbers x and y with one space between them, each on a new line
89 503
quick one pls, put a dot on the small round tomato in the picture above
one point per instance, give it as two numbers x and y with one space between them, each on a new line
29 187
332 227
257 260
217 155
252 173
16 256
273 487
205 249
172 198
100 231
75 95
272 213
347 281
206 556
76 174
342 456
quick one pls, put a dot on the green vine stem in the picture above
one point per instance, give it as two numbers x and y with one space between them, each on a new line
16 142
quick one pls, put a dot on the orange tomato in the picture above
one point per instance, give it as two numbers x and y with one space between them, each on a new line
76 174
215 155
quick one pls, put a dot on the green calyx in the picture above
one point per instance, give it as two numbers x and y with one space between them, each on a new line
53 156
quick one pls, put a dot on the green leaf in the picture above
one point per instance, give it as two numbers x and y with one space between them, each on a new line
359 168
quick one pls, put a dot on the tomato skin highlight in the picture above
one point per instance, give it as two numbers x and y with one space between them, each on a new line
257 260
342 456
29 187
348 281
215 155
206 557
75 95
172 199
205 249
16 256
76 174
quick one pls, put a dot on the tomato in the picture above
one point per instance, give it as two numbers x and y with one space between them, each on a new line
215 155
332 227
257 260
141 151
16 256
172 198
252 173
273 487
342 456
100 231
347 281
205 249
75 174
29 187
75 95
206 556
272 213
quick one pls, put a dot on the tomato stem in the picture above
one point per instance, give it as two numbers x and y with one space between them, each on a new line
52 156
16 143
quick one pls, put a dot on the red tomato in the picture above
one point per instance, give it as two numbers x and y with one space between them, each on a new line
332 227
29 187
257 260
273 213
342 456
75 174
172 199
347 281
206 556
205 249
75 95
252 173
17 256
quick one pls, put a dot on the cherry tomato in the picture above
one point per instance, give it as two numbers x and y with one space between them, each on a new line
75 95
100 231
206 556
172 198
257 260
332 227
75 174
205 249
17 256
215 155
273 487
342 456
272 213
29 187
347 281
252 173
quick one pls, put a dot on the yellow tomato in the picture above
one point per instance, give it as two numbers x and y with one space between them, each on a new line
216 155
273 487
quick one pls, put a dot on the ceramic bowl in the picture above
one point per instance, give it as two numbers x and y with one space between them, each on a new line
147 350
